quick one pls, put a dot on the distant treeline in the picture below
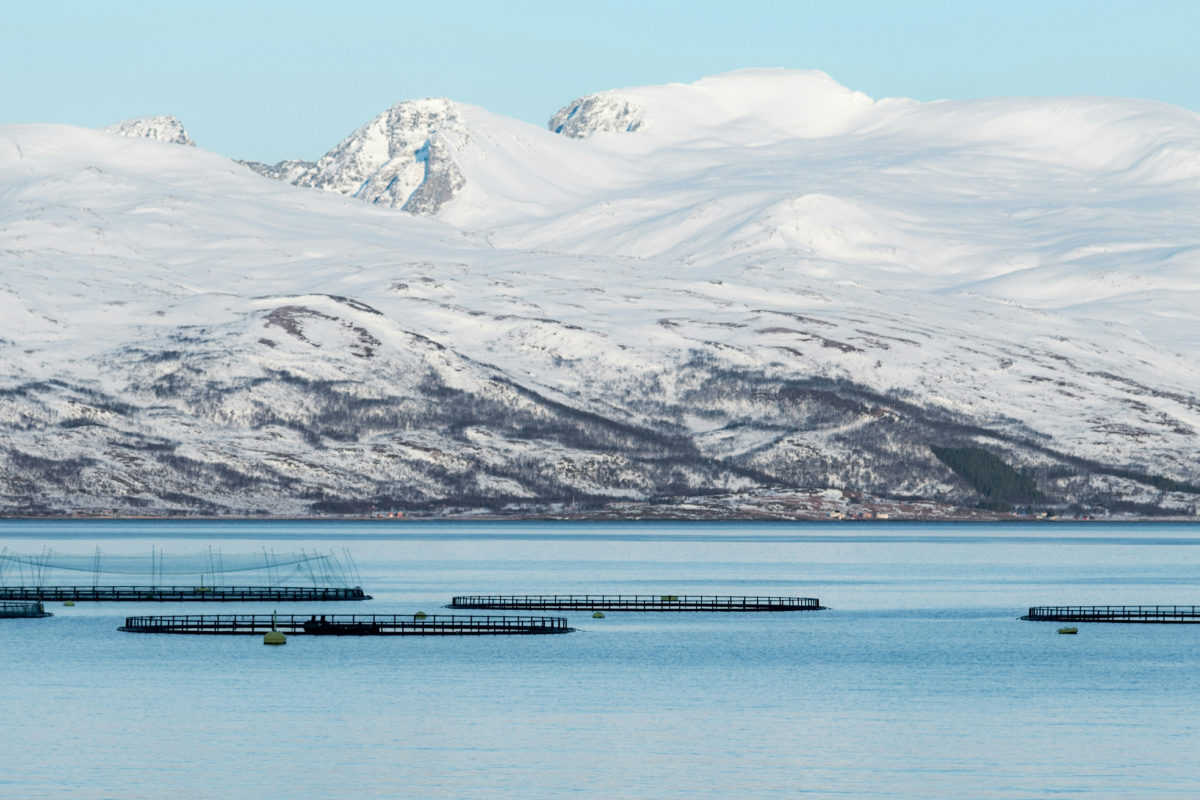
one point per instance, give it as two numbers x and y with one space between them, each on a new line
1159 482
990 476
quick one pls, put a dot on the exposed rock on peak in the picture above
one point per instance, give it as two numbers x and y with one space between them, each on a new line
399 159
288 171
441 180
164 128
386 160
601 112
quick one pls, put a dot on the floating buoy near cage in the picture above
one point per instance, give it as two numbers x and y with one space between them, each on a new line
69 603
598 615
1068 630
274 636
419 615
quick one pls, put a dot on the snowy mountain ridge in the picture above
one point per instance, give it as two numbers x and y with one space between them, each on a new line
760 281
750 106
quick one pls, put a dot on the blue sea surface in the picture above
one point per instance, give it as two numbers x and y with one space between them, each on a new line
918 682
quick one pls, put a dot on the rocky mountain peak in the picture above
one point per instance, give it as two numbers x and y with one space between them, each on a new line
601 112
164 128
399 159
288 171
386 160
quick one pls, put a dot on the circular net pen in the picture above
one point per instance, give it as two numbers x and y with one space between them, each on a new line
629 602
16 610
210 576
1169 615
347 625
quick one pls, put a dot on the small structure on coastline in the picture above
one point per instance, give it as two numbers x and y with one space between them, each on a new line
629 602
155 576
346 625
16 610
1132 614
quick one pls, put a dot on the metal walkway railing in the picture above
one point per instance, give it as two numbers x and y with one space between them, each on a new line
203 594
627 602
348 625
1145 614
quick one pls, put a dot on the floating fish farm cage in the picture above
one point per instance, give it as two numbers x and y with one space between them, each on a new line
1177 615
629 602
16 610
347 625
156 576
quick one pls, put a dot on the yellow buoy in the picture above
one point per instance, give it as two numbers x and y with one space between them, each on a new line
419 615
598 615
1068 630
273 636
69 603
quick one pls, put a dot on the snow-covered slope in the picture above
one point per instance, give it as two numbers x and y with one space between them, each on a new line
761 279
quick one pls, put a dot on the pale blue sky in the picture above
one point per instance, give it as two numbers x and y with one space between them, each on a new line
274 80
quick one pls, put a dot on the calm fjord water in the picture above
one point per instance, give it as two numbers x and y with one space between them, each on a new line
918 683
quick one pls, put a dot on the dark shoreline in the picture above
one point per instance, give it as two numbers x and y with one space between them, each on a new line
448 518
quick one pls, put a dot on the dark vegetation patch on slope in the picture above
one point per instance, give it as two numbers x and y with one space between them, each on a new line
990 475
1157 481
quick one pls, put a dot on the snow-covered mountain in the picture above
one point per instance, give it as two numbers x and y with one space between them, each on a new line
762 279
